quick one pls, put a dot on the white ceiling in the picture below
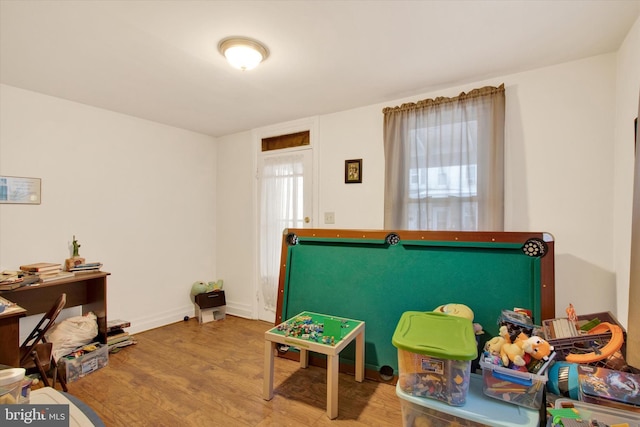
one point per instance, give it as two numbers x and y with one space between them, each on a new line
158 60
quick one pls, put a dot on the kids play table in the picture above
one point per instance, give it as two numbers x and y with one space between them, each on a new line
293 333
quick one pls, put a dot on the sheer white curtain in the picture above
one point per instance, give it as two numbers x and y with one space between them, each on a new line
282 207
444 163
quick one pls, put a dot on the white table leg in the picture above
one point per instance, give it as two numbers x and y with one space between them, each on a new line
360 357
304 358
333 362
267 386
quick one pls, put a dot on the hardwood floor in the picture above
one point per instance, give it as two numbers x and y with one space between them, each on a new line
187 374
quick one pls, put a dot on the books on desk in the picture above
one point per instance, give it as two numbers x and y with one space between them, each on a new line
90 267
45 271
10 280
58 276
49 271
9 286
41 267
30 279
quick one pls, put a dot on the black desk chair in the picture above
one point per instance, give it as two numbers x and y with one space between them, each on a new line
36 352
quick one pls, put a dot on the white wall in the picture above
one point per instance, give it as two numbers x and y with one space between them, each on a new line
627 95
352 134
139 197
559 171
236 222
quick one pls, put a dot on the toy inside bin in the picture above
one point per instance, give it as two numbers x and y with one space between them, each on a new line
520 388
603 414
11 385
435 351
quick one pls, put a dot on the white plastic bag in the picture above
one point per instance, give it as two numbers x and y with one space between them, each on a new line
72 333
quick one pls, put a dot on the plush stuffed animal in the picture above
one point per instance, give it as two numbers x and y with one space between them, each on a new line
491 350
515 352
460 310
493 346
202 287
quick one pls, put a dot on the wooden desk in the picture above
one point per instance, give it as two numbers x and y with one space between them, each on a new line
354 330
88 290
10 331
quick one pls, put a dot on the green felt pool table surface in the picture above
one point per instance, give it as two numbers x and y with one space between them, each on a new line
375 276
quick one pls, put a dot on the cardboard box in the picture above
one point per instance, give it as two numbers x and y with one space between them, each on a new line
80 362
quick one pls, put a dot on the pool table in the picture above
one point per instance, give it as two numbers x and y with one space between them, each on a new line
376 275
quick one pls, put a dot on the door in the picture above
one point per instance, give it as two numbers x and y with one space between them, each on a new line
286 201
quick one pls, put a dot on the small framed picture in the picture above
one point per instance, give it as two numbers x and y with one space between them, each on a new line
20 190
353 171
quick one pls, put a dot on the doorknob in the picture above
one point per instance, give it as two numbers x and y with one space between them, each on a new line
307 219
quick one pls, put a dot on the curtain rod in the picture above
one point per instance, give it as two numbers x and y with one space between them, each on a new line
486 90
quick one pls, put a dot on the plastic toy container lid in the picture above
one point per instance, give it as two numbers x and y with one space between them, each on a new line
436 334
10 376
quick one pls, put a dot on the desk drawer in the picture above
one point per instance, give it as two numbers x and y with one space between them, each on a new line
211 299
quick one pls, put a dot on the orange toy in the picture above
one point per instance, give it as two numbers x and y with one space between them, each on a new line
614 344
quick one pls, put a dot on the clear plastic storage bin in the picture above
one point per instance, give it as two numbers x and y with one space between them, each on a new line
435 351
479 411
11 385
516 387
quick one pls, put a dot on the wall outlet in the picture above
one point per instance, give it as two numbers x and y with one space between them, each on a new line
329 218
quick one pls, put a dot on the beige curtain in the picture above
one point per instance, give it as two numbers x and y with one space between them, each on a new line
444 162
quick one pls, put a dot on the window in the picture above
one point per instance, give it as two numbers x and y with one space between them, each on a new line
444 163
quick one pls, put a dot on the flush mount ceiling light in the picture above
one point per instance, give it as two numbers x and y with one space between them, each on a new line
243 53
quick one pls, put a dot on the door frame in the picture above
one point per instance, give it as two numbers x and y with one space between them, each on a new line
310 124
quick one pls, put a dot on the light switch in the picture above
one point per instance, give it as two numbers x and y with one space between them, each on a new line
329 218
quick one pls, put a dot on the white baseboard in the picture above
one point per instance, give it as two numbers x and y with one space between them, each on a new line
176 315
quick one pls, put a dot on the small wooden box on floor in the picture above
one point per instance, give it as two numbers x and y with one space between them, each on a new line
210 306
